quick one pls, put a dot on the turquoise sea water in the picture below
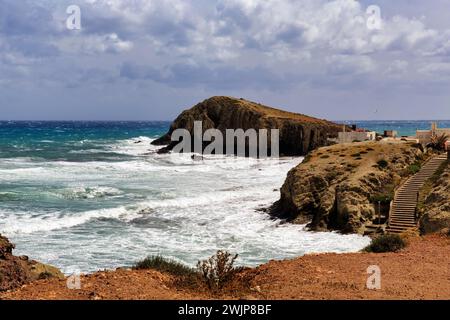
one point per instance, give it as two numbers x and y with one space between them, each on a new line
93 195
404 128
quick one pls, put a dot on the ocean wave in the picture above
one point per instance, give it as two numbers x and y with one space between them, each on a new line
23 223
138 146
89 192
8 196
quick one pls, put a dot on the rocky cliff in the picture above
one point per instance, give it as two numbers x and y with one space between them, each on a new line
337 187
298 133
16 271
436 208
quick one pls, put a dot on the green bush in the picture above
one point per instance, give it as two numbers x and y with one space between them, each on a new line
386 243
414 168
164 265
382 163
382 197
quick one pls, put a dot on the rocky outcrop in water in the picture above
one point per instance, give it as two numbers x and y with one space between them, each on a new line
337 187
16 271
436 211
298 133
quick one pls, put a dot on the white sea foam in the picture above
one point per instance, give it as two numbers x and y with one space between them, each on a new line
23 223
163 204
135 147
81 192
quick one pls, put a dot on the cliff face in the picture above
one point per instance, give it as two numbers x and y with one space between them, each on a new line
298 133
16 271
336 187
436 211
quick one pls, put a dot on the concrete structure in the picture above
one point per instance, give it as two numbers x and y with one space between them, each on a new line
390 133
425 136
346 137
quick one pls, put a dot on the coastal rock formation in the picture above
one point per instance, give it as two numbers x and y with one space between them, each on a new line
336 187
436 211
299 134
16 271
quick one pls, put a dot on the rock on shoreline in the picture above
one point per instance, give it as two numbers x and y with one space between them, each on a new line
299 134
17 271
334 188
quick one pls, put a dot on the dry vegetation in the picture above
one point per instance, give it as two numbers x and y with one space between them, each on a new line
314 276
278 113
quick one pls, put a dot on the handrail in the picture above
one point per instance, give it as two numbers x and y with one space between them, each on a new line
391 204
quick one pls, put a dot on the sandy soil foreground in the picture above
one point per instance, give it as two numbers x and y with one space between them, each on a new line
421 271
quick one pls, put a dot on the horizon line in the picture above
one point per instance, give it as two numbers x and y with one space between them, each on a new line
149 120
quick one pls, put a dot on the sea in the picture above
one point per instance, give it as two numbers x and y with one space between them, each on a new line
85 196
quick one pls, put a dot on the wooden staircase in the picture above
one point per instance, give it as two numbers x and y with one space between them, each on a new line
403 213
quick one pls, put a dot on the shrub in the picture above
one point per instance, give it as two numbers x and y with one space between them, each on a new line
382 163
218 270
164 265
386 243
356 155
414 168
382 197
45 275
418 146
438 142
325 156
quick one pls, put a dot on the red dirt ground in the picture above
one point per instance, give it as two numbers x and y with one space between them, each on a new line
421 271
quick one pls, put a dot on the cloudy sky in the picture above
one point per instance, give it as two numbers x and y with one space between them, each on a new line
150 59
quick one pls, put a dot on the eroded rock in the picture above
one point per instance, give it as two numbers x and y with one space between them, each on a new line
298 133
335 187
436 211
17 271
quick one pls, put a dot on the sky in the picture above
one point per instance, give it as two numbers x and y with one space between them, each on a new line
151 59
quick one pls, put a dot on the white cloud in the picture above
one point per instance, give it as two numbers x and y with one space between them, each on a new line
441 69
219 43
354 65
94 44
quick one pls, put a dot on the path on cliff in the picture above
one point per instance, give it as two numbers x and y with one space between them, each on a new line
403 213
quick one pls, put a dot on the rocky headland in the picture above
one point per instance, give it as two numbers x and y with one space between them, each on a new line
298 133
338 187
17 271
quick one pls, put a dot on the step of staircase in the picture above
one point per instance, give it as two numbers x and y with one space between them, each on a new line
408 221
403 214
